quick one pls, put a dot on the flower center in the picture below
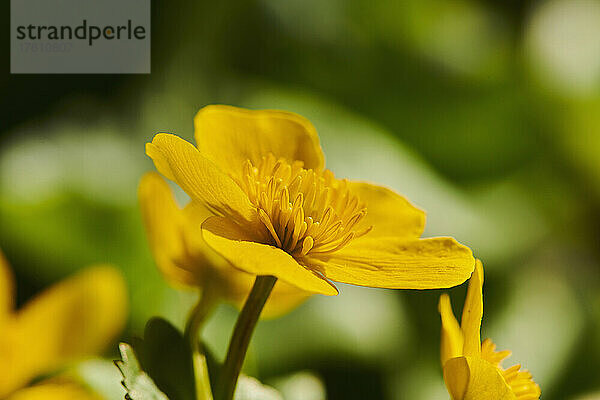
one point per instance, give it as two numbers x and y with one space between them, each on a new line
520 381
305 211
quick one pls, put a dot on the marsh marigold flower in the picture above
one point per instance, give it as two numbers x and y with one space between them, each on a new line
472 369
184 258
75 318
277 211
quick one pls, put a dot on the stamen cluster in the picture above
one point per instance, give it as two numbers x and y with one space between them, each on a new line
305 211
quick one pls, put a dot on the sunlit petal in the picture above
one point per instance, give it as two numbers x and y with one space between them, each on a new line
234 244
387 212
473 313
452 337
456 377
181 162
471 378
398 264
228 136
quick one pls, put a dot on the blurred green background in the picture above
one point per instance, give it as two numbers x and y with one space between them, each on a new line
484 113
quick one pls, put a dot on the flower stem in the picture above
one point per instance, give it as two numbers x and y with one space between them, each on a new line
242 333
193 325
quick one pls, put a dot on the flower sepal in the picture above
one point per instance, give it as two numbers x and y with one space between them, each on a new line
473 378
159 366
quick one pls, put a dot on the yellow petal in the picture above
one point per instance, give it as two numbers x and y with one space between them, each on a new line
398 264
452 338
6 290
164 224
181 162
473 313
387 212
471 378
456 377
284 298
194 214
54 391
234 285
228 136
8 336
229 240
183 257
75 318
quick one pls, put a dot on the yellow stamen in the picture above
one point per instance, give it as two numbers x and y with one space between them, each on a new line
304 211
520 381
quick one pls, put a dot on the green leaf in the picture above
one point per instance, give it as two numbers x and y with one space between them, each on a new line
159 366
166 357
138 384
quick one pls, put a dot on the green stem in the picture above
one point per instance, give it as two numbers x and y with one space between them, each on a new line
197 316
238 346
193 325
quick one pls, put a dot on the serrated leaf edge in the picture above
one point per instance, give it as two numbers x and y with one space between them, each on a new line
137 383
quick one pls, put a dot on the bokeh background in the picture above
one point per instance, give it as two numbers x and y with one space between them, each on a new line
484 113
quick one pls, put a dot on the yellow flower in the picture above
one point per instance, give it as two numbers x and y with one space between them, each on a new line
185 259
472 369
277 211
75 318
